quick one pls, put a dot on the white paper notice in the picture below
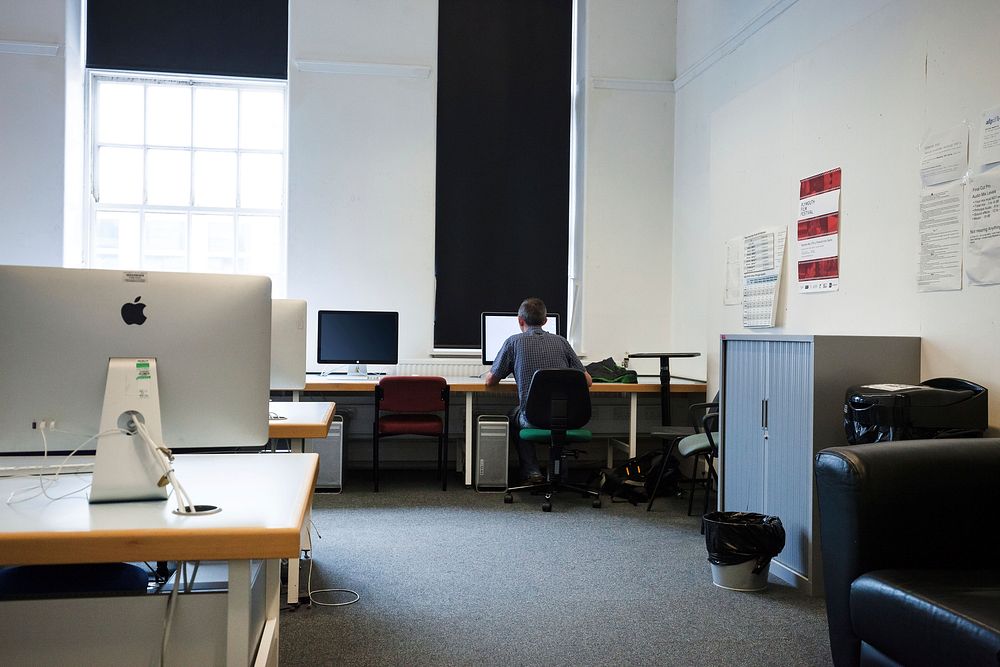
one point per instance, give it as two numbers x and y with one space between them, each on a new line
763 253
982 250
940 239
734 271
945 155
818 233
989 130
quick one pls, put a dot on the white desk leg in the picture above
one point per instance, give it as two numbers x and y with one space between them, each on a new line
633 419
238 614
305 543
469 427
295 396
267 649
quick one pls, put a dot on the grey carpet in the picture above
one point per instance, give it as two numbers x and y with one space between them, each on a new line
460 578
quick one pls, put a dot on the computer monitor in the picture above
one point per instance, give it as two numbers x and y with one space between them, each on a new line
202 342
357 338
498 327
288 344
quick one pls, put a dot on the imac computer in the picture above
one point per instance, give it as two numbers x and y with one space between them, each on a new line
498 327
144 361
357 338
288 344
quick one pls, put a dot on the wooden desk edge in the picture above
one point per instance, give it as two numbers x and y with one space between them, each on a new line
292 429
479 387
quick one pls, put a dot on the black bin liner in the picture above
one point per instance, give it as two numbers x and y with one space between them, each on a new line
737 537
936 408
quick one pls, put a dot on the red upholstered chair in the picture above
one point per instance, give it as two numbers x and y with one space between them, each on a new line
413 406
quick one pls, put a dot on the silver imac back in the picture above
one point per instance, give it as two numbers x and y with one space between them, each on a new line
288 344
209 334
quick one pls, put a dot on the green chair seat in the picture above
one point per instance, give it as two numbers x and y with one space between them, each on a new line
696 444
545 435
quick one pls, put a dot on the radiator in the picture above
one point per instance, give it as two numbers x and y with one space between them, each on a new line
453 368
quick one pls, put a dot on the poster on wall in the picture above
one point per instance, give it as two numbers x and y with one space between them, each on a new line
989 133
940 260
763 253
945 155
818 233
982 248
734 271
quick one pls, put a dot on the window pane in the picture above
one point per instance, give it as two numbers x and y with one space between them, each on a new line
119 113
215 117
164 242
258 244
214 179
261 180
115 240
119 175
168 181
262 119
168 115
212 243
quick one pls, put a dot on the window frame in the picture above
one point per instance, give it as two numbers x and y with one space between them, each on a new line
93 207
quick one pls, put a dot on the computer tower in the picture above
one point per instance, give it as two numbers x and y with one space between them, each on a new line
331 457
491 452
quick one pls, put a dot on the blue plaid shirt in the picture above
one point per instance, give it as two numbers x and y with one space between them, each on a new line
524 353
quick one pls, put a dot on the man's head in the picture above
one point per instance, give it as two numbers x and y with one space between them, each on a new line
531 313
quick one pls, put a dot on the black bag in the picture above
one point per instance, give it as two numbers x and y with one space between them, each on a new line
634 480
608 371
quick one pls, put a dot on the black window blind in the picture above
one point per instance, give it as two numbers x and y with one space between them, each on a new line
503 143
245 38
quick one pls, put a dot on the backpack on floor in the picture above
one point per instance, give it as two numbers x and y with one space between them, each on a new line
634 480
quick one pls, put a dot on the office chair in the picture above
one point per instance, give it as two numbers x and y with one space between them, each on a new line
699 440
558 404
411 400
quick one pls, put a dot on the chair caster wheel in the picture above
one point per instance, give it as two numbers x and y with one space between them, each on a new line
508 498
596 504
546 507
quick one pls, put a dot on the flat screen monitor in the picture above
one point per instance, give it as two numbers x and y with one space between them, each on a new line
288 344
357 338
498 327
209 336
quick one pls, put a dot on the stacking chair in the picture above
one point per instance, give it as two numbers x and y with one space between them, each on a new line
558 405
413 406
700 440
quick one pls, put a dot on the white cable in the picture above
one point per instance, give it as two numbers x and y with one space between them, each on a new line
171 605
162 456
47 480
310 591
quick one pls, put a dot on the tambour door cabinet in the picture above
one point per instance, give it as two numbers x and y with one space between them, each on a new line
782 400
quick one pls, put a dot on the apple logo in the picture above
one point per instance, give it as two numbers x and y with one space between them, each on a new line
132 312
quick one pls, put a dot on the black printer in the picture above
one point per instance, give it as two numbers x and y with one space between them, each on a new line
937 408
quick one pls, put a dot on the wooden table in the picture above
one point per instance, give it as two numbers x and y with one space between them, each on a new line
473 386
300 420
265 503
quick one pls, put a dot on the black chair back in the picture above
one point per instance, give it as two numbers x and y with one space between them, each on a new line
558 399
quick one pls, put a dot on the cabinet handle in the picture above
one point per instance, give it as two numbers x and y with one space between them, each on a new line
762 424
765 412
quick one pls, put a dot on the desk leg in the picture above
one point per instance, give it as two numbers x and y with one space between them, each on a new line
267 649
633 419
305 544
238 613
295 396
467 465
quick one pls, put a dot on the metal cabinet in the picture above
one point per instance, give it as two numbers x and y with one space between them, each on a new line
782 401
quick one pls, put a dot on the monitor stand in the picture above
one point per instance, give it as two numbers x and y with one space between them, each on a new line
357 370
126 467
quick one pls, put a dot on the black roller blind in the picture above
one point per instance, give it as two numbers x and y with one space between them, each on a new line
247 38
503 142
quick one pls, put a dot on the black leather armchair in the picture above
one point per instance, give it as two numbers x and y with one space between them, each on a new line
909 532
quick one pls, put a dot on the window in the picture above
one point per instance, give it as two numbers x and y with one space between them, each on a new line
187 174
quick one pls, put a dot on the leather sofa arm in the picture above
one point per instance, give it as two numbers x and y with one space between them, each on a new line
916 503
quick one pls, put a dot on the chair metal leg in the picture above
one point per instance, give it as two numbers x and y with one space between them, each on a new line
694 481
663 468
375 458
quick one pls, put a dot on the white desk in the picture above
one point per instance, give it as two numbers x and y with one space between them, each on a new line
265 502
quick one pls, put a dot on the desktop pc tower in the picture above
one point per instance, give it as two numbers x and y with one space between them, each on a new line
331 457
491 453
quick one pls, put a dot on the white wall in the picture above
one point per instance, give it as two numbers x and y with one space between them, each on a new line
854 85
361 169
32 119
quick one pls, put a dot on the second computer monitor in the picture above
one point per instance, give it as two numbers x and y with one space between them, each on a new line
357 338
498 327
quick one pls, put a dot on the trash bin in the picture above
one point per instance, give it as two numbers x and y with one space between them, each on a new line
740 547
936 408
